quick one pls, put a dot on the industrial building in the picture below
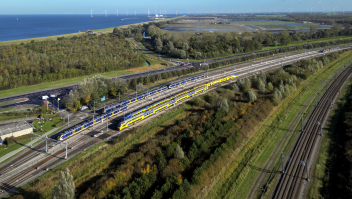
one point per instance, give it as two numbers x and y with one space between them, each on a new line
15 129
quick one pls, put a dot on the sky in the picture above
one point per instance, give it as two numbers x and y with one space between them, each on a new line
170 6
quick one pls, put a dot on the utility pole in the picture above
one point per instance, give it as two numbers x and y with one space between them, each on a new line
107 121
66 151
93 115
282 162
58 104
321 128
307 170
302 122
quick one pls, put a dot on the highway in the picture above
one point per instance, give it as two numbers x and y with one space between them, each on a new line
34 162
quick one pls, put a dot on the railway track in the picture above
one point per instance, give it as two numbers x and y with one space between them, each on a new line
295 170
81 144
86 141
257 186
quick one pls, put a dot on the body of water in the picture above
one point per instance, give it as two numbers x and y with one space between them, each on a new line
249 26
31 26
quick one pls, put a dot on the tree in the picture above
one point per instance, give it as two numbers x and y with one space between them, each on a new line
158 45
251 96
77 105
66 187
183 54
17 197
270 86
223 105
312 29
134 82
277 96
115 31
179 152
146 81
261 86
162 161
235 87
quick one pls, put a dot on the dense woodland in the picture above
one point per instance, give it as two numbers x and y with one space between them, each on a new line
212 45
338 173
181 159
65 58
321 18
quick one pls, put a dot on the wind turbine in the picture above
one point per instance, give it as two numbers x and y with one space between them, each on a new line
334 9
290 10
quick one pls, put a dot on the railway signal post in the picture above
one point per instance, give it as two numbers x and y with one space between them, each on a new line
302 122
66 151
307 170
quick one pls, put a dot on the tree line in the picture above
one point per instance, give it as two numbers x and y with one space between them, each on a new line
211 45
90 90
45 61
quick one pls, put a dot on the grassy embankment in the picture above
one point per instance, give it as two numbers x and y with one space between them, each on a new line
319 176
258 149
5 150
89 163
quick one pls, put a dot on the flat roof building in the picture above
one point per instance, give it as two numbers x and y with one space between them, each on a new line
15 129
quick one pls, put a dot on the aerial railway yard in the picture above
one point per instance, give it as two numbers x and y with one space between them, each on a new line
34 162
296 172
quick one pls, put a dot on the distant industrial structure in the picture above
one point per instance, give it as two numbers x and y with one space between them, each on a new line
156 17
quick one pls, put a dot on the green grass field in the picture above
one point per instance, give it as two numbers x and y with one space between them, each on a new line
13 147
47 126
263 150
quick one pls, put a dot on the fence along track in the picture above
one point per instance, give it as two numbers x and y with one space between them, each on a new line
295 169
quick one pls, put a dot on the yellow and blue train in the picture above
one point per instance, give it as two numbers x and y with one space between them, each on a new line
142 114
330 50
153 92
120 107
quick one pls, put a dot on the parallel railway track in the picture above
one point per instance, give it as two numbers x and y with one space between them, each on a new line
295 174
